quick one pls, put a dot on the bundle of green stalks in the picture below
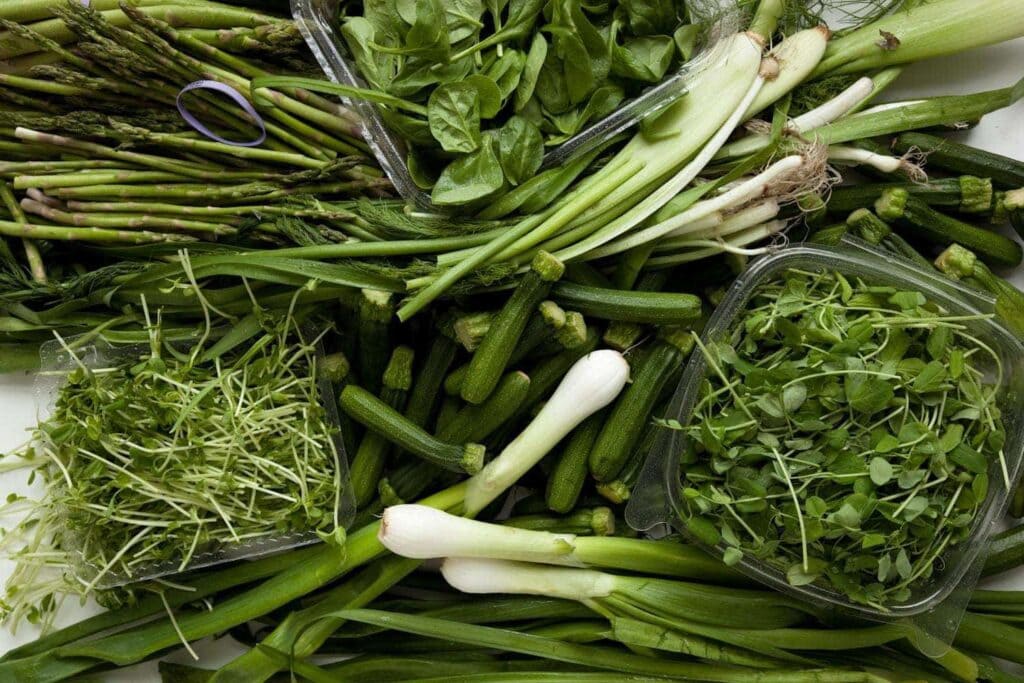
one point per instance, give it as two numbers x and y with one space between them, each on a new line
95 151
472 355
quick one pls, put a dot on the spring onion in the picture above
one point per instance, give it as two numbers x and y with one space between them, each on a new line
591 384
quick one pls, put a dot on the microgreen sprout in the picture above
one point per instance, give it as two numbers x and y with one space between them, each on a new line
156 461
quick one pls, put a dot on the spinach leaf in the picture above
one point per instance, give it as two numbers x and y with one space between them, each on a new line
471 177
454 116
535 60
428 36
685 38
507 72
488 95
360 35
462 18
602 102
578 76
648 17
411 128
644 59
521 149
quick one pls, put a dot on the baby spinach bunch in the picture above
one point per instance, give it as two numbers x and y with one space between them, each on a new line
844 435
480 89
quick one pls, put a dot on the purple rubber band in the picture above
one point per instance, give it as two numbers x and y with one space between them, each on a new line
235 96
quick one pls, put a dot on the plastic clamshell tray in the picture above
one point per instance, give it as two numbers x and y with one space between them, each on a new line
56 363
656 501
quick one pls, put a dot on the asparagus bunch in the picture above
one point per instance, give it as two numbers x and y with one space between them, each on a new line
99 123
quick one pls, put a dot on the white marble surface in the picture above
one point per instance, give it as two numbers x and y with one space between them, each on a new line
1002 132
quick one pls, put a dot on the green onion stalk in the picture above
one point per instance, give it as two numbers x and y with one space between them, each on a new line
927 30
593 656
760 631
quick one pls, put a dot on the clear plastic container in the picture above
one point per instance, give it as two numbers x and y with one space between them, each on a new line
936 604
57 362
318 22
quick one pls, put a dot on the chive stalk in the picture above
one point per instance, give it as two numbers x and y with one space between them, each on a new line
628 418
368 463
492 357
922 220
378 416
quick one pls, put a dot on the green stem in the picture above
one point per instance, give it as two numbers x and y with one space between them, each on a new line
319 568
599 657
33 231
32 255
766 19
180 15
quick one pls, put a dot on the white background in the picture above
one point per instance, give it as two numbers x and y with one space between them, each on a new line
1002 132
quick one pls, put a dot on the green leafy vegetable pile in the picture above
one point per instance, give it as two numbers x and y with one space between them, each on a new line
844 434
159 460
480 89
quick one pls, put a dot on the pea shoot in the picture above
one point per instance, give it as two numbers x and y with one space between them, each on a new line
843 435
